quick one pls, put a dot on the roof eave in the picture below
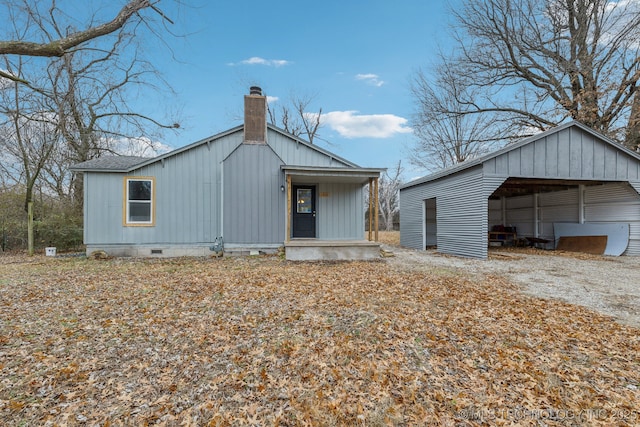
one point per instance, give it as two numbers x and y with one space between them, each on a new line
101 170
301 168
338 174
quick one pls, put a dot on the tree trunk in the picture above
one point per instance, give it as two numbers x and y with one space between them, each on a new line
388 226
632 140
30 228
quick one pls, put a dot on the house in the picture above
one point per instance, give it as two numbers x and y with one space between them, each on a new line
569 179
255 186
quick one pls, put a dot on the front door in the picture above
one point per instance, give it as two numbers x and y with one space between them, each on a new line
304 211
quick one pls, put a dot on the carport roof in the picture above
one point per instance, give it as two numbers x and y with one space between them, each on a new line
521 186
480 160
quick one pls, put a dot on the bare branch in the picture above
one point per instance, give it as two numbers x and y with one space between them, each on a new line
449 127
389 196
12 77
295 118
547 61
61 46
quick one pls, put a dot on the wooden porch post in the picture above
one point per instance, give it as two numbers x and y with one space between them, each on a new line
376 208
370 205
288 237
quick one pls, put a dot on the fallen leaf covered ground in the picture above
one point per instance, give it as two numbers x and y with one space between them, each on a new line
263 341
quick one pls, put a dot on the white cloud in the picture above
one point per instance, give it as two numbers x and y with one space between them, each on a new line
256 60
272 99
370 79
351 125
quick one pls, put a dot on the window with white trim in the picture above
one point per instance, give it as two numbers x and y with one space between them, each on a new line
139 201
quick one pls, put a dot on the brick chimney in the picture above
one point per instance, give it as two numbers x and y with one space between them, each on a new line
255 117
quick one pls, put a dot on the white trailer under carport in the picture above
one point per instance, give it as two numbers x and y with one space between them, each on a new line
568 174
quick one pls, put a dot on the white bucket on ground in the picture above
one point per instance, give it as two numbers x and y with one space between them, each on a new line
50 251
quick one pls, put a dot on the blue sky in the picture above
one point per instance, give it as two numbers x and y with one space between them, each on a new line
355 57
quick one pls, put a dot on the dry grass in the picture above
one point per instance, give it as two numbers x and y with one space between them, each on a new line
262 341
389 237
501 251
392 238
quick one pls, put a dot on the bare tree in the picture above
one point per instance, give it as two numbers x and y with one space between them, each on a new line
632 136
91 95
550 60
294 118
80 102
445 134
389 196
27 139
48 43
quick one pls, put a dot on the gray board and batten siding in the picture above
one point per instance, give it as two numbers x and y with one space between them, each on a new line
252 180
603 182
189 203
188 177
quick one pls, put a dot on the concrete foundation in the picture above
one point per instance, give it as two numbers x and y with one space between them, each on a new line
319 250
295 250
172 251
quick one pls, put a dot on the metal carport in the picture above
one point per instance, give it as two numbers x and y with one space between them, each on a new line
580 175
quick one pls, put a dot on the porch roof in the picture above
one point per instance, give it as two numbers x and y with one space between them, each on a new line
331 174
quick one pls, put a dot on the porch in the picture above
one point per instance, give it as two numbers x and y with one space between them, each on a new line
325 213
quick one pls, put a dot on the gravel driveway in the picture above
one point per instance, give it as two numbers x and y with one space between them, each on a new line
609 285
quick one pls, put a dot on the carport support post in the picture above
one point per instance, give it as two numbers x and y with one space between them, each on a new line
536 218
581 204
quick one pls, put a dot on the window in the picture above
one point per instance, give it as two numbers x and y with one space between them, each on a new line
139 201
305 203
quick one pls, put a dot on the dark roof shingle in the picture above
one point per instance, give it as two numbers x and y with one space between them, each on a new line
110 163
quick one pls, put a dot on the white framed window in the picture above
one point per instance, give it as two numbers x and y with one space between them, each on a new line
139 201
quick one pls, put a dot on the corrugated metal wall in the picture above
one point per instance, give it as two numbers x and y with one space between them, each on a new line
557 206
616 202
495 209
495 213
254 205
411 215
462 214
519 211
606 203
